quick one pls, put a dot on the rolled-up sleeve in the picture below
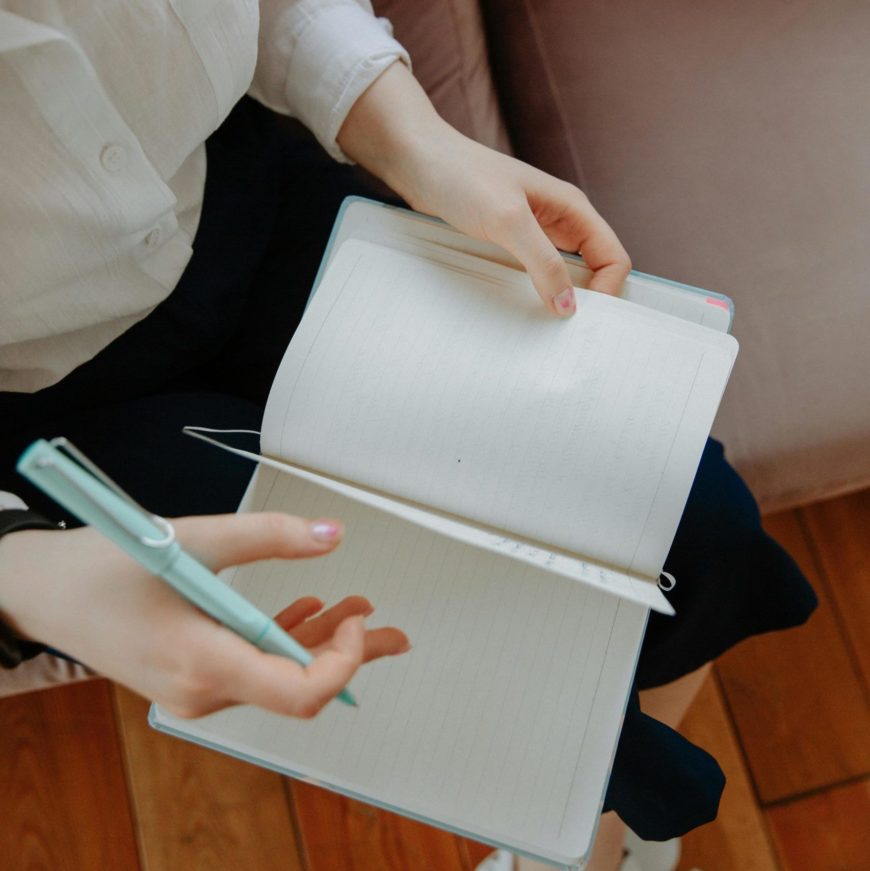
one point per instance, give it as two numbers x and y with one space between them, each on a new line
316 57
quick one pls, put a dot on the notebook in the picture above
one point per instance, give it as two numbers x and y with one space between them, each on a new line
510 485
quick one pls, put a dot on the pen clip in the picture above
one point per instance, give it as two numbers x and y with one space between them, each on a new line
65 446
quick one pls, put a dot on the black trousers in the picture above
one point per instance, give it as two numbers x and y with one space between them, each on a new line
207 356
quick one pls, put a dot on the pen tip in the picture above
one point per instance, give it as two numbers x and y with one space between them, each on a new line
346 696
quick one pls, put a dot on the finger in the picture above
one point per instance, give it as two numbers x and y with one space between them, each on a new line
281 685
521 234
581 228
231 539
300 611
323 627
387 641
603 254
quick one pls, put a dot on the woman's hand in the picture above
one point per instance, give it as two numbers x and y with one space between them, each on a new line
79 593
394 131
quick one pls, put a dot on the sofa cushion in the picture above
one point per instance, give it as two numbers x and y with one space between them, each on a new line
727 146
446 42
42 672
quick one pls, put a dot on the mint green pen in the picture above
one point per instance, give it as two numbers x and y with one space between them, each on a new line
71 479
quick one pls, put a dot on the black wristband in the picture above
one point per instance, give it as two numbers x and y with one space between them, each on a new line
15 650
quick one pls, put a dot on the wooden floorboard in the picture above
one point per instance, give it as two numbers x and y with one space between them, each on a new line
840 530
473 853
88 785
738 839
796 697
199 809
829 831
63 799
340 834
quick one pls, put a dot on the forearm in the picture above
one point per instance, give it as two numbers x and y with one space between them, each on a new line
389 128
394 131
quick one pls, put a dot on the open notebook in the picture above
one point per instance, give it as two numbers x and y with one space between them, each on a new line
510 485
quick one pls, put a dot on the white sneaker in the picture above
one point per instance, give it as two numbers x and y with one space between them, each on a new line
629 863
500 860
641 856
651 855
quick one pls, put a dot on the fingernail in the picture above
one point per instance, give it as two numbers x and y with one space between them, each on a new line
565 302
325 530
404 649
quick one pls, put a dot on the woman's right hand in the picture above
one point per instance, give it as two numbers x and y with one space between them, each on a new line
77 592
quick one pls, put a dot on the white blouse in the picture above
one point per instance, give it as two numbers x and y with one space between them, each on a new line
104 109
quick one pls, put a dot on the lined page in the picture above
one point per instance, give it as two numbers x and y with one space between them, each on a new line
448 384
635 588
498 722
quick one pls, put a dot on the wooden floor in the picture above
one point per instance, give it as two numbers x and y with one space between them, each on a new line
87 785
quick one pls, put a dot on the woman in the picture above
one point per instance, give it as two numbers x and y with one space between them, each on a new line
156 254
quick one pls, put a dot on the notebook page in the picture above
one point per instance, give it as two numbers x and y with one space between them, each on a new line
497 723
446 383
612 581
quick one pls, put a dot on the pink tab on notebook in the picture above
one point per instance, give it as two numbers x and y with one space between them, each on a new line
720 302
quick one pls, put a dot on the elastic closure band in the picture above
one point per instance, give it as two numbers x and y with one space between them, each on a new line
667 582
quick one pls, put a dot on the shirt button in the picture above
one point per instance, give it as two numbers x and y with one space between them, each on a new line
113 158
152 240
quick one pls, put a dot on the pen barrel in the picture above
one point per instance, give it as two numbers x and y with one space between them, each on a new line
205 590
276 640
95 504
197 584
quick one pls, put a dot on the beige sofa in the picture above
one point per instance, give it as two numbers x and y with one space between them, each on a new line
729 146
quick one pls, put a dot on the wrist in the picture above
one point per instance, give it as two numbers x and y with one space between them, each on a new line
16 645
427 158
392 129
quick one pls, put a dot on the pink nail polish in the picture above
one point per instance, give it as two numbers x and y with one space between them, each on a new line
565 302
323 530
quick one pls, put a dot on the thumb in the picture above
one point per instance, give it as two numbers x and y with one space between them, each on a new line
225 540
531 246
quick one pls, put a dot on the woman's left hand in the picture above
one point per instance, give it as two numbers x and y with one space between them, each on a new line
486 194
